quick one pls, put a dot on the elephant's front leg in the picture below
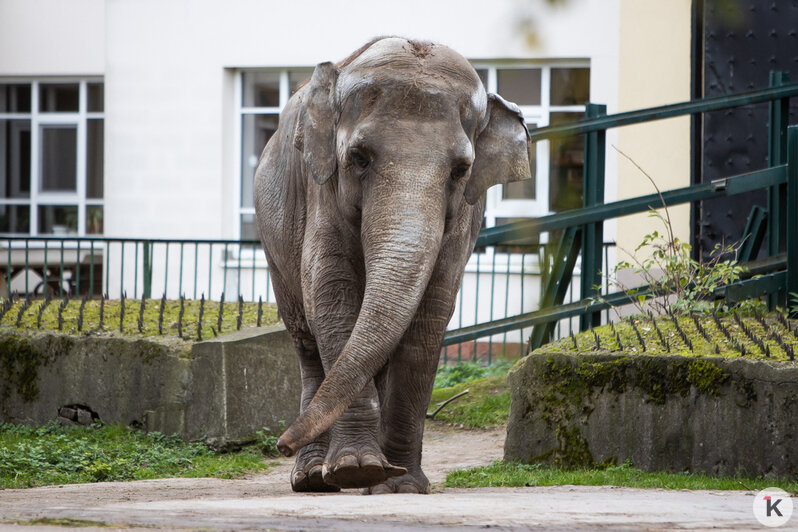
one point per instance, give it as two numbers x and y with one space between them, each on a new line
354 458
406 390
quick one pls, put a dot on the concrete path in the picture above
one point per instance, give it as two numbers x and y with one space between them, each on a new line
266 502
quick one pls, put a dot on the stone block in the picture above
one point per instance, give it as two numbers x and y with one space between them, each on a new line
222 389
663 413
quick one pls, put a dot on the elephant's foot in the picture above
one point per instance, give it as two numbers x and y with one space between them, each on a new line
307 473
358 468
407 483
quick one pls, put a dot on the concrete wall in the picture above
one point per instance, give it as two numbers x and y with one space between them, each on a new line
654 69
224 389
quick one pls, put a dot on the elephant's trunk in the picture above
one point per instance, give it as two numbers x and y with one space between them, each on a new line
400 244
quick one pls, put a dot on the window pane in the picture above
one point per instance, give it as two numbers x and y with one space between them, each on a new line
59 158
94 219
58 97
14 219
249 230
94 158
523 190
95 97
570 86
15 158
261 89
567 156
257 130
520 85
483 76
298 76
58 219
15 98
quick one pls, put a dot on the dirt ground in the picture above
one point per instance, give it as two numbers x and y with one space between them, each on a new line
265 501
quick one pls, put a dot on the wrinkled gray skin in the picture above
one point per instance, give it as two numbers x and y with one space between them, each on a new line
369 199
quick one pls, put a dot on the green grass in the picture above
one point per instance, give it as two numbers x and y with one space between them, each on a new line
501 474
39 456
30 321
448 376
486 405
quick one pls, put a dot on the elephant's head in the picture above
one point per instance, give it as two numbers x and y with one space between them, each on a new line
409 141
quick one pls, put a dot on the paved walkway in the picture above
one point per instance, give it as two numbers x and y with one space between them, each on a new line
266 501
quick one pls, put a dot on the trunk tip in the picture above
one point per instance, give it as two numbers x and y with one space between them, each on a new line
284 447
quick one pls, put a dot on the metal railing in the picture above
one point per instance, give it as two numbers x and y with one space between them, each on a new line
581 230
497 283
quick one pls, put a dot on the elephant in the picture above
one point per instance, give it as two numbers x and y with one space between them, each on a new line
369 199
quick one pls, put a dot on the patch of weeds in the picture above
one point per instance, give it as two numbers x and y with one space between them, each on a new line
486 405
448 376
38 456
266 441
515 474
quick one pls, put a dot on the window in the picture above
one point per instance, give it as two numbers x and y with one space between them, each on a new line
51 157
261 96
547 93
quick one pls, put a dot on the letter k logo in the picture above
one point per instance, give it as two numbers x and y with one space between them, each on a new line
772 506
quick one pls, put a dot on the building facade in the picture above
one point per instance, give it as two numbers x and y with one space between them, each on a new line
145 118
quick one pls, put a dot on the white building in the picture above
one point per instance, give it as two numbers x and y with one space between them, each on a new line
145 118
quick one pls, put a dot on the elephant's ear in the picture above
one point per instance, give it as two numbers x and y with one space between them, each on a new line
503 150
314 135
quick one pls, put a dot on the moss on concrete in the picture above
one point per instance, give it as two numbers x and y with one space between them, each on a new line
34 318
712 343
20 364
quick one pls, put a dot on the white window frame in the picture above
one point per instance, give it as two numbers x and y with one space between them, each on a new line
38 119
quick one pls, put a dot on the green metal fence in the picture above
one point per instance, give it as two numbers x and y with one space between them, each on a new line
497 283
581 229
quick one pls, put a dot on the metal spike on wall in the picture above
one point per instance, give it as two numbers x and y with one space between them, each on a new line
221 312
199 319
39 314
240 312
637 332
122 313
80 312
102 309
180 317
61 308
260 310
140 323
160 314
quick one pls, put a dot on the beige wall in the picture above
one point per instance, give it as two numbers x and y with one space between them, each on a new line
52 37
654 69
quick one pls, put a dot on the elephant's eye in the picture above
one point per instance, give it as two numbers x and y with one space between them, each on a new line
459 171
359 159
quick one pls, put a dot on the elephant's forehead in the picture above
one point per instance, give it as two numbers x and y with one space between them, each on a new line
428 68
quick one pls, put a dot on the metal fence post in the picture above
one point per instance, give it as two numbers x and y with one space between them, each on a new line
778 113
792 220
146 270
592 194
